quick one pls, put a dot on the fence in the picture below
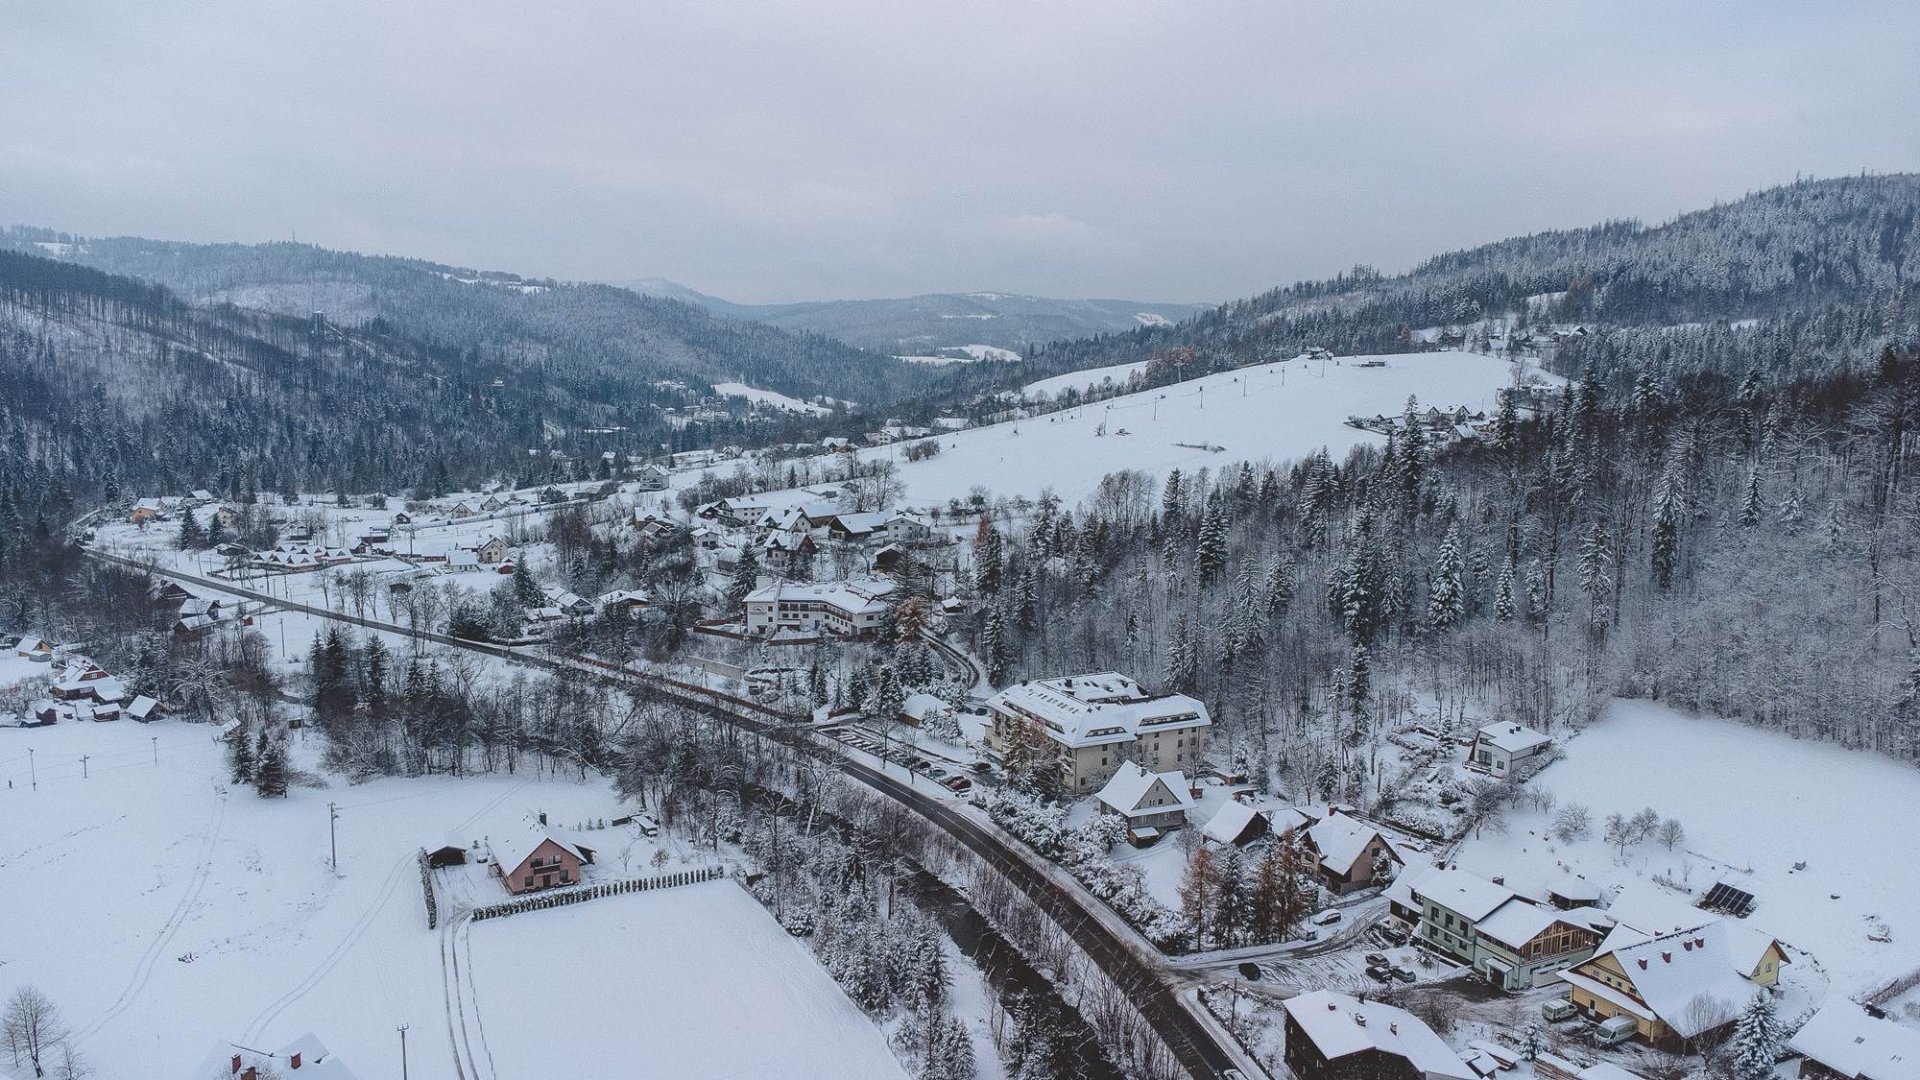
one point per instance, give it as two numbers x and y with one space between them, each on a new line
594 892
426 889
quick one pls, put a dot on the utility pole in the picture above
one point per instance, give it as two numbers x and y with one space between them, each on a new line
83 766
333 845
403 1052
32 773
156 748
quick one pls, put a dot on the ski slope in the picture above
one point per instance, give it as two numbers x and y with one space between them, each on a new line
1276 411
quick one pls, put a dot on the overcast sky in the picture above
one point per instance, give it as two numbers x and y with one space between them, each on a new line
1193 150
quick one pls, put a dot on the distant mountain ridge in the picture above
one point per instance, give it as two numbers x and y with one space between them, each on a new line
929 323
1810 275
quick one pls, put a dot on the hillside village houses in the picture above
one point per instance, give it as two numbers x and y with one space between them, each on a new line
1843 1042
1352 854
1095 722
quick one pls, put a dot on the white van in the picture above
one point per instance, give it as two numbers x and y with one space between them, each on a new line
1615 1030
1557 1010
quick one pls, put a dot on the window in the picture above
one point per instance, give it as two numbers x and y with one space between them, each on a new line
529 881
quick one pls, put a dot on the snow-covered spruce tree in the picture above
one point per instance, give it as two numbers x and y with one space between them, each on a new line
1757 1037
1446 597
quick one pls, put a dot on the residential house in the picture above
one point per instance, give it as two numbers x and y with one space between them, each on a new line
539 859
492 550
491 503
1502 749
550 495
1553 1067
784 550
1331 1036
1151 803
33 649
571 604
852 609
857 528
1843 1042
1679 986
460 509
149 510
631 599
920 709
651 478
908 529
1352 854
1452 903
305 1058
146 709
1522 942
1236 823
1091 723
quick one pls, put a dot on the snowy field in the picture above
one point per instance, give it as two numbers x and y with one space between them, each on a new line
1753 804
1117 374
1276 411
167 915
699 984
768 398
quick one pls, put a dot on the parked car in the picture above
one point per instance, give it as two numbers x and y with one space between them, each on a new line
1558 1009
1403 973
1377 958
1250 971
1380 972
1329 917
959 785
936 772
1614 1030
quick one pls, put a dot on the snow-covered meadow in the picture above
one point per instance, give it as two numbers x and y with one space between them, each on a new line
1753 803
167 913
695 983
1278 411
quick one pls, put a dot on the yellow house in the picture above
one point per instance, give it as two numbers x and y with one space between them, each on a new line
1676 986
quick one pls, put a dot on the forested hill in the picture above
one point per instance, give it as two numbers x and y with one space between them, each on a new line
117 387
587 332
927 324
1827 267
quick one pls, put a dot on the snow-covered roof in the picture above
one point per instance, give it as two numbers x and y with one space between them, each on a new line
142 707
1228 822
1468 894
1519 921
1090 710
509 853
1844 1038
1131 784
1670 971
923 706
862 523
1405 889
1341 840
1512 738
866 596
1340 1025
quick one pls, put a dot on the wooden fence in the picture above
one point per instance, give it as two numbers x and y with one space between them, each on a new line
594 892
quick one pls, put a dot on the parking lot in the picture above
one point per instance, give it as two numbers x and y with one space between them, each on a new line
947 773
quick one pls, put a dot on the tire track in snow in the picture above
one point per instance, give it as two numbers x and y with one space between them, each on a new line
473 994
449 991
466 1065
333 957
143 968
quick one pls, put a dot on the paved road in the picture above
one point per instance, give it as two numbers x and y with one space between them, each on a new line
1201 1051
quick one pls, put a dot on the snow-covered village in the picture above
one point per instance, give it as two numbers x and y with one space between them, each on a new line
1387 652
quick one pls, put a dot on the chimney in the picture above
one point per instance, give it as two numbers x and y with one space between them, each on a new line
1499 880
1643 963
1331 1007
1360 1018
1687 945
543 817
1666 958
293 1062
1393 1028
235 1067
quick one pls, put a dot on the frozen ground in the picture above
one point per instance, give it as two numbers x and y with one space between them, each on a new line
166 914
697 983
1080 380
1753 804
1277 411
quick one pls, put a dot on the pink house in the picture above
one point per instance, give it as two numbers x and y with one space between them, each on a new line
540 859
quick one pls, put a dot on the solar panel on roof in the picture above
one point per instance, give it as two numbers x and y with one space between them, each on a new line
1724 897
